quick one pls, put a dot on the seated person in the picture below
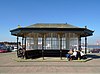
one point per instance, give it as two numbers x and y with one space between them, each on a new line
83 56
78 55
69 54
74 55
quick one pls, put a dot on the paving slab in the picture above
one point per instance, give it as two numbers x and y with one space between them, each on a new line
8 66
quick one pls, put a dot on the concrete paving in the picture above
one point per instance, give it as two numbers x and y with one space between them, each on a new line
10 66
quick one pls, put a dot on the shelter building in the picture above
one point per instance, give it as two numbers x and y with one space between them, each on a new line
42 39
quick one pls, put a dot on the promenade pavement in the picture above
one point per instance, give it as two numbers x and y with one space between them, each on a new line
10 66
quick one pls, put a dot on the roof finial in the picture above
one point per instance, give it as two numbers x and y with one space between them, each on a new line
86 27
19 26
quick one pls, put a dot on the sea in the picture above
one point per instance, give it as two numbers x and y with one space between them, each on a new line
94 46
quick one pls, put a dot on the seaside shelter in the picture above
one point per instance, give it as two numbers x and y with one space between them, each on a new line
50 40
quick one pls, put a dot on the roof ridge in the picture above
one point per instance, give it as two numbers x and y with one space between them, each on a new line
52 25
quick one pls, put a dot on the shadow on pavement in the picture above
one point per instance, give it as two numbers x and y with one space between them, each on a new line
93 56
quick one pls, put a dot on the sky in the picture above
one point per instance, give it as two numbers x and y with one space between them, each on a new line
79 13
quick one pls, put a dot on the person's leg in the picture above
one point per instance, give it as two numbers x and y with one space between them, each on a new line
68 56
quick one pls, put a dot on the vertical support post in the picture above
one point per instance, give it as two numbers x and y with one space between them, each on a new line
51 40
58 41
79 43
43 36
85 42
25 43
60 44
85 45
36 41
61 47
67 41
44 41
25 54
22 42
17 46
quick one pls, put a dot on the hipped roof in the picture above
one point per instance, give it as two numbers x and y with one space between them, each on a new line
42 28
53 25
